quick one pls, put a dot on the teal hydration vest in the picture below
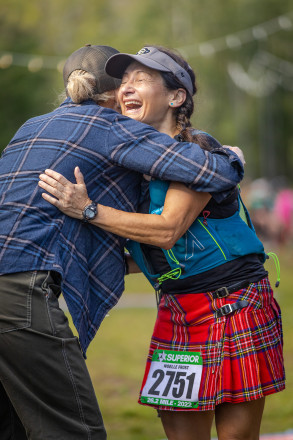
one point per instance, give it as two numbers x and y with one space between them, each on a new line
208 243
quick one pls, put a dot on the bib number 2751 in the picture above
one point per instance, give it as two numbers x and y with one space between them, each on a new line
173 379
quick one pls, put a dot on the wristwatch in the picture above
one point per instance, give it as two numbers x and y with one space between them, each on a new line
89 212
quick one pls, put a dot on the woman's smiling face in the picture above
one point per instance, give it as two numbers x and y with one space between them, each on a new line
144 97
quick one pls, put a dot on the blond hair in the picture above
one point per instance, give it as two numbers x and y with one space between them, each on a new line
81 86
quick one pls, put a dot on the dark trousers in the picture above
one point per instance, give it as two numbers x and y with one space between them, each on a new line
45 389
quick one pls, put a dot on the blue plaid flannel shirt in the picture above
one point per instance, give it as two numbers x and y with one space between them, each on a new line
112 151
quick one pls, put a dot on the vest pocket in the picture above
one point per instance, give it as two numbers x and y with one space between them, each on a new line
238 237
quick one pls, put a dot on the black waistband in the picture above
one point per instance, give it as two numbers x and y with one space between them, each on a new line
222 292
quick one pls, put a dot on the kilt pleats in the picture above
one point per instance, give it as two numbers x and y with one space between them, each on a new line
242 352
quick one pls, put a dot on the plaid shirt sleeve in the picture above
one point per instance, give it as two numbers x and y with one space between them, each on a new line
141 148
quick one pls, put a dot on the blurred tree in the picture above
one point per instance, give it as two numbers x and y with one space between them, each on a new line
245 92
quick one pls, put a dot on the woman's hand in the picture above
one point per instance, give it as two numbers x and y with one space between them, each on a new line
237 151
70 198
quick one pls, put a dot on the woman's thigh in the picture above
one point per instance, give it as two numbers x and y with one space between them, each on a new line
239 421
187 425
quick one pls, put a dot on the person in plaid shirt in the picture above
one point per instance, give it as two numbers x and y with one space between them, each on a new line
45 386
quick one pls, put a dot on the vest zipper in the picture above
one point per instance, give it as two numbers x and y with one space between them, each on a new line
205 216
212 237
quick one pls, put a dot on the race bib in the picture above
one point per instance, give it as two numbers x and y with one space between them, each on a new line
174 379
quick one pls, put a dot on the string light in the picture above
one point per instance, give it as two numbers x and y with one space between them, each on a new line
234 41
238 39
285 22
275 63
6 61
259 87
259 32
265 73
34 63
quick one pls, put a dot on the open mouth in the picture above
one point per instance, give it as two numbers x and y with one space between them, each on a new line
132 105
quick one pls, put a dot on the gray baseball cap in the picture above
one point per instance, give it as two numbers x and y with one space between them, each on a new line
92 59
150 57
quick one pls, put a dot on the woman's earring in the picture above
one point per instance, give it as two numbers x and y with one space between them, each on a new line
171 103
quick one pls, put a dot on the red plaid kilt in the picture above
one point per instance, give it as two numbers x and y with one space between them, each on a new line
242 352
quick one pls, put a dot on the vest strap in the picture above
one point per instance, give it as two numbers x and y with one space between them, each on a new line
230 308
222 292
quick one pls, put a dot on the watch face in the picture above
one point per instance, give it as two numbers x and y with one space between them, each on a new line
90 212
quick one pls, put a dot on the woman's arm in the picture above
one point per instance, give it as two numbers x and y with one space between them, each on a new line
182 206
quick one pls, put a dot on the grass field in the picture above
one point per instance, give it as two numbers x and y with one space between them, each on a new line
116 360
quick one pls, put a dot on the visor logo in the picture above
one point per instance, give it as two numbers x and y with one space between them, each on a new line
143 51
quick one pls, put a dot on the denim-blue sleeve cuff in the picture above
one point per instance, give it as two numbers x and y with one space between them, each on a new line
236 162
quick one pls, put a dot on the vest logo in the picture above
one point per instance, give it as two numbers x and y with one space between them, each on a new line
143 51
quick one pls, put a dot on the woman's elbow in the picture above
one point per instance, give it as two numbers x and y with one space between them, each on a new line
167 240
171 232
